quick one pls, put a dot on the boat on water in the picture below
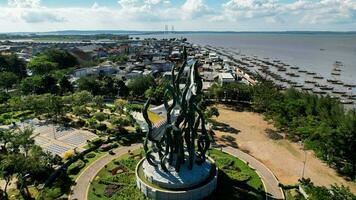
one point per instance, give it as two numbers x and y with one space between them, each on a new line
311 73
319 92
302 71
349 85
297 85
352 98
345 101
326 88
318 77
281 69
309 81
307 88
294 67
338 92
334 81
335 73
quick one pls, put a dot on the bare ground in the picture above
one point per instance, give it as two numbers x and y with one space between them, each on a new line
284 158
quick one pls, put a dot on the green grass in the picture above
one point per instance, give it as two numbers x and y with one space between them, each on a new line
232 183
229 185
88 162
128 189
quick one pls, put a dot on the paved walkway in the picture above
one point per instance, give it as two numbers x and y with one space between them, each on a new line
269 180
80 190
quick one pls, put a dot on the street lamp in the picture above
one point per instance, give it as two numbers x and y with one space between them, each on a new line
305 159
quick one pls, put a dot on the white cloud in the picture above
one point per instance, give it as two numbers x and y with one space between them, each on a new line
302 11
24 3
32 15
195 8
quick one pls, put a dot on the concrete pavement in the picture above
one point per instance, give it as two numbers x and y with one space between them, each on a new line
80 189
270 182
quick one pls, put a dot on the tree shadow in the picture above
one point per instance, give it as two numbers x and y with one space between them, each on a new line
224 141
239 107
223 127
230 189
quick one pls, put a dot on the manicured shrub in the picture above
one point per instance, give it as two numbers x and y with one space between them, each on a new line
239 176
101 127
90 155
76 167
100 116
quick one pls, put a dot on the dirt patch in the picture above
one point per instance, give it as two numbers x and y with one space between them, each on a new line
284 158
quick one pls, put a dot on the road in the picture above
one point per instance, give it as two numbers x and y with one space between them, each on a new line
273 191
80 189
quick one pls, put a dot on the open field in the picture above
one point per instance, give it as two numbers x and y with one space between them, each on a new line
283 157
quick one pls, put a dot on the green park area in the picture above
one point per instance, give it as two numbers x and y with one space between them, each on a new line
117 179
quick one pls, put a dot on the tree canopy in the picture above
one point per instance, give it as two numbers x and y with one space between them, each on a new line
41 65
11 63
139 85
7 80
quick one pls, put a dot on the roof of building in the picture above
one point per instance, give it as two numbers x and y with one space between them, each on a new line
226 76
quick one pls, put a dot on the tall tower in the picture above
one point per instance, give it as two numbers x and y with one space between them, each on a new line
172 29
165 29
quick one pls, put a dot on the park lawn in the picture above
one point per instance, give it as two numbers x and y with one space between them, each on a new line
236 180
14 194
88 162
127 190
15 116
228 186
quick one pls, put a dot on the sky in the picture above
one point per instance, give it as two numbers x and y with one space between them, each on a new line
184 15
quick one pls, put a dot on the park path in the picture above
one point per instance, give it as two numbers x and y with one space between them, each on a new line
80 189
273 191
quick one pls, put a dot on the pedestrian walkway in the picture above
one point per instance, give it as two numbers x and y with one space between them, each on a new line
273 191
81 188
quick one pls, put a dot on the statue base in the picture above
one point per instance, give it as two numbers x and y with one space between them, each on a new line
197 183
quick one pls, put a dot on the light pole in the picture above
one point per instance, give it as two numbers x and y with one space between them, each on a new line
305 160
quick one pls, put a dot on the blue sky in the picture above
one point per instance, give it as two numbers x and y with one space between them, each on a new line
215 15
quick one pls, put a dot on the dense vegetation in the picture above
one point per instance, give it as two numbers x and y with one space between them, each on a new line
321 123
23 160
335 192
